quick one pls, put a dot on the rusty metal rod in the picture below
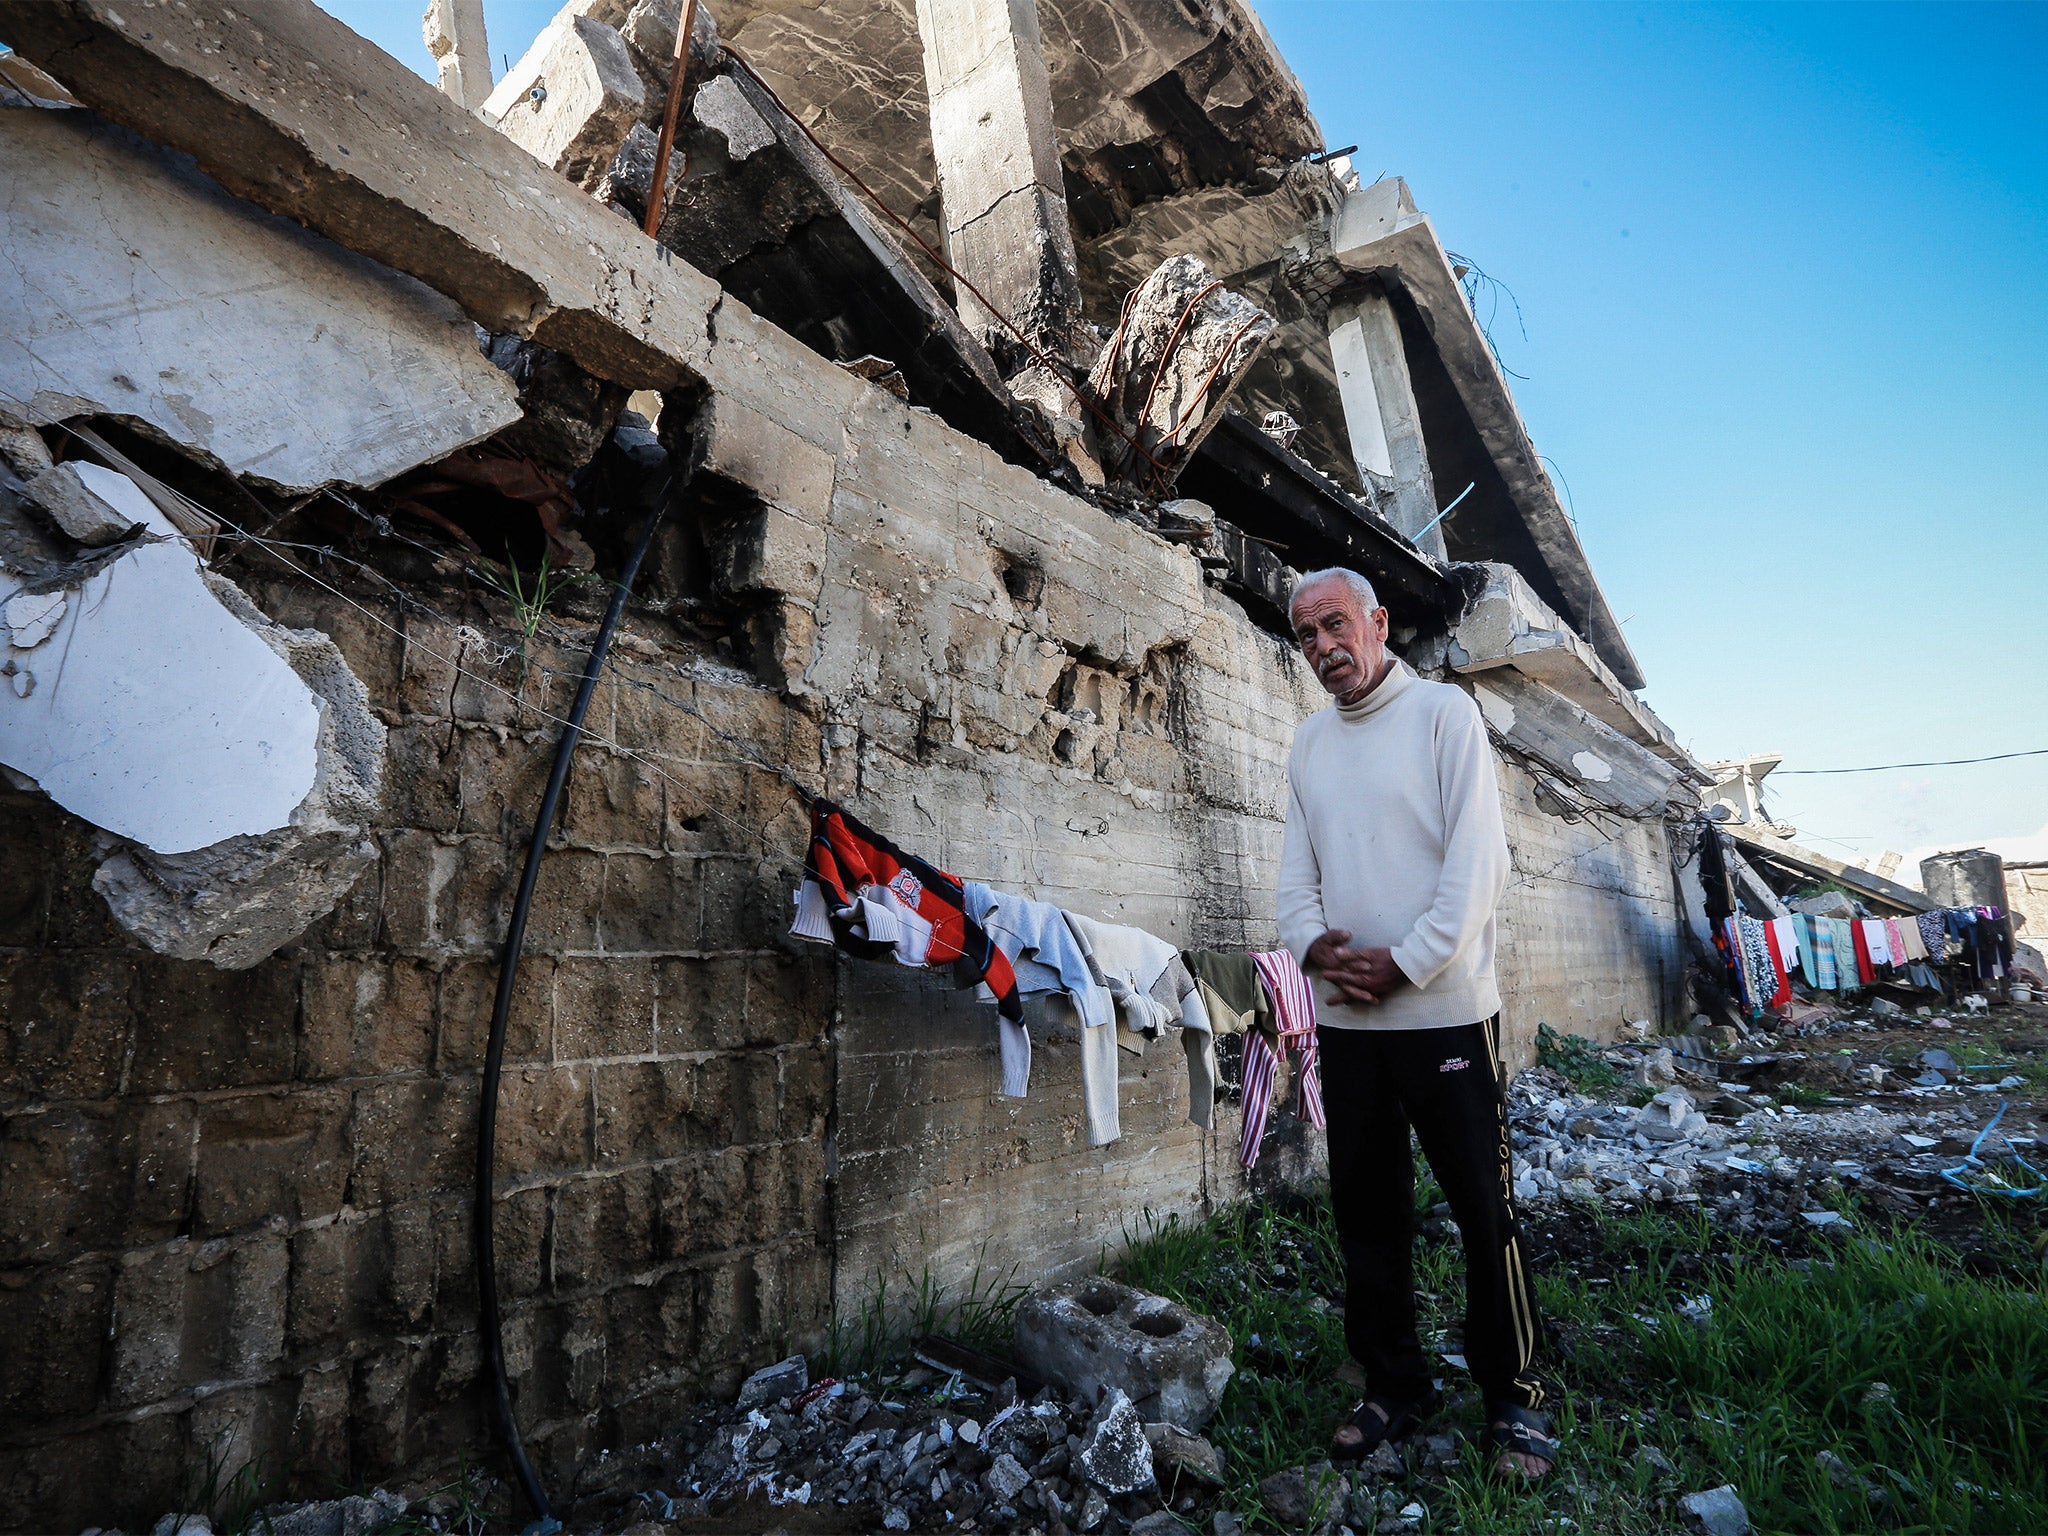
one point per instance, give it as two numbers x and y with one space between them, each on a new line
657 190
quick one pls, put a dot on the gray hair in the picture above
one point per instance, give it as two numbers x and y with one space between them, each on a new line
1360 587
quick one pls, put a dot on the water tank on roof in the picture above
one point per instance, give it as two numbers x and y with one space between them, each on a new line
1973 878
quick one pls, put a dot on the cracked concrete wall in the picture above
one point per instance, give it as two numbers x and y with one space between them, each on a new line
236 1205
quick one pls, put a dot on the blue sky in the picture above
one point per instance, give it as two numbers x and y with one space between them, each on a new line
1783 271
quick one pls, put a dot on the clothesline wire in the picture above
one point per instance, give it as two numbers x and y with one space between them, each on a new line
1948 762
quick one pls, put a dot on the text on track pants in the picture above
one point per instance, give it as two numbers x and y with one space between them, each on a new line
1447 1084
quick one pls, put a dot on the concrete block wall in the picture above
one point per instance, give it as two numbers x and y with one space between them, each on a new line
234 1206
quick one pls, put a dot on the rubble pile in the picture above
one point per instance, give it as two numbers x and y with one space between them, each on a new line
919 1449
1718 1129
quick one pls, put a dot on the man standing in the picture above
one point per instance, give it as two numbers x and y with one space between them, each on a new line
1395 857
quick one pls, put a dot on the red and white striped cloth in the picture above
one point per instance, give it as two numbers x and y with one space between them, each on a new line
1294 1011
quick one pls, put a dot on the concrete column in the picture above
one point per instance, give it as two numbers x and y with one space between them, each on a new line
999 166
454 30
1381 416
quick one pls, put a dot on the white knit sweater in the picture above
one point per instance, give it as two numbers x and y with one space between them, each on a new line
1394 832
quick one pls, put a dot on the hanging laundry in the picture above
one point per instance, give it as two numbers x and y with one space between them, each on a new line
1047 957
1154 989
1762 967
1895 941
1877 941
1847 973
1781 971
1293 1007
866 896
1809 953
1859 940
1787 931
1933 935
1230 989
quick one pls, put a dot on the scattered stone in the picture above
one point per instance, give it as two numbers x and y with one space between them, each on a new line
1006 1478
785 1378
1161 1522
1649 1456
1826 1218
1657 1069
1224 1523
351 1516
182 1525
1096 1336
1877 1395
1176 1454
1292 1497
1093 1508
1115 1456
1715 1512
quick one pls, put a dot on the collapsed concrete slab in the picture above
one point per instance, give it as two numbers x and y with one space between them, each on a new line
144 292
231 762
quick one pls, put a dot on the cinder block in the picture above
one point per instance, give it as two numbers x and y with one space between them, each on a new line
544 1122
65 1018
652 904
700 1004
55 1320
411 1138
469 993
281 1154
202 1028
367 1017
615 801
604 1007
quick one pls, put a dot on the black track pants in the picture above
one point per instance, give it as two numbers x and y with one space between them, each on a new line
1447 1084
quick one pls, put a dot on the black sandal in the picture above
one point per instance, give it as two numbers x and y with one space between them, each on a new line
1514 1428
1401 1421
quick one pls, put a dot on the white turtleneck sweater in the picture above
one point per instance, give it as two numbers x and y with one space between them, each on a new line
1394 833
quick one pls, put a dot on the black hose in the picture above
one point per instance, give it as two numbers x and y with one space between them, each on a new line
491 1318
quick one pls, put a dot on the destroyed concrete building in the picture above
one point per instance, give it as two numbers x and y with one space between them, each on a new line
993 371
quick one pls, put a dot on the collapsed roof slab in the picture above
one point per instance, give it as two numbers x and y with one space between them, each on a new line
293 111
1508 626
1475 431
135 288
1808 861
1149 97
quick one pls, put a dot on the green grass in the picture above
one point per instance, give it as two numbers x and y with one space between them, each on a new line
1783 1372
893 1316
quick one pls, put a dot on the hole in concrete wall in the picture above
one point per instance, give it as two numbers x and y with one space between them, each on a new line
1160 1325
1022 579
1067 748
1100 1301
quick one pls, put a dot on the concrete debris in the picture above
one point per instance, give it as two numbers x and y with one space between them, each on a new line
1098 1337
571 99
145 292
453 31
720 105
1184 343
1115 1456
1280 427
1716 1512
1316 1493
1177 1454
785 1378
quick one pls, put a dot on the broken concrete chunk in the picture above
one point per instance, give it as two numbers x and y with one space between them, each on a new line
1006 1477
1097 1336
1179 352
785 1378
72 507
1115 1455
1178 1454
572 99
1716 1512
721 106
27 618
1314 1496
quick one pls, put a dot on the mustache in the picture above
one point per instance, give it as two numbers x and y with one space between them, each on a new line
1334 658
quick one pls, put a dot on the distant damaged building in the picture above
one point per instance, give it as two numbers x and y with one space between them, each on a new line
992 373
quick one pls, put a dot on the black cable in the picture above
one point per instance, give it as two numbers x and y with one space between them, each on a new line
491 1318
1947 762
